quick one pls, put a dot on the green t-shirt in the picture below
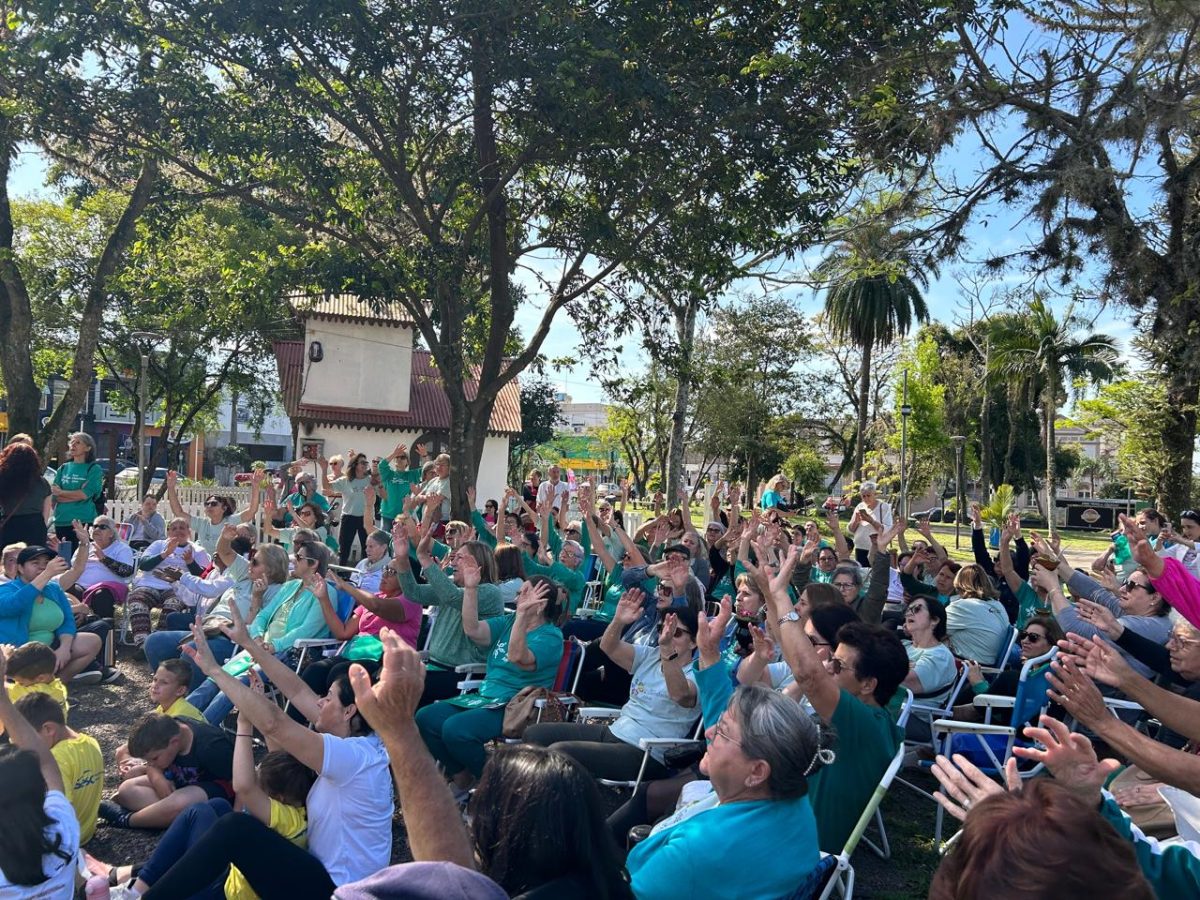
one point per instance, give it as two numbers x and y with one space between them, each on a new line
867 739
397 483
1028 604
504 679
45 618
75 476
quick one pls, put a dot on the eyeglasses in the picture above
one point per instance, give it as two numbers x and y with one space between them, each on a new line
812 640
1030 637
915 609
845 585
719 731
300 558
100 526
570 531
1180 641
835 665
388 570
680 632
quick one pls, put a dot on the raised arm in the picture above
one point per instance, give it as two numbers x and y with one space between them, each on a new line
83 548
22 734
343 631
629 610
248 514
323 465
173 496
250 796
531 601
633 553
839 537
679 689
801 656
1004 563
477 631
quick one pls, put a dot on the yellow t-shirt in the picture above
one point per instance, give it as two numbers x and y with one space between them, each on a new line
289 821
82 766
181 709
55 689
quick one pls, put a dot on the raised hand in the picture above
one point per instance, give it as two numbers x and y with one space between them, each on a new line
710 631
82 535
471 495
764 644
976 515
1071 758
1041 577
188 555
1098 659
172 479
200 653
1075 692
1100 616
629 607
468 568
531 601
963 785
391 702
924 528
236 630
670 623
1014 526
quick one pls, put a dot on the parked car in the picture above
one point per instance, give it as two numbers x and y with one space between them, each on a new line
106 464
129 476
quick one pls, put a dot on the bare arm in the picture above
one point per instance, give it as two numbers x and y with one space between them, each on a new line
83 548
839 536
1004 563
679 689
250 797
173 496
479 632
629 610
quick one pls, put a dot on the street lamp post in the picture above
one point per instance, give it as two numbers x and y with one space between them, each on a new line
149 337
958 441
905 412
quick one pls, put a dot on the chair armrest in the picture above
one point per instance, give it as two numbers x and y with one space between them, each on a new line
471 669
648 743
995 701
598 712
565 701
1114 703
952 726
316 642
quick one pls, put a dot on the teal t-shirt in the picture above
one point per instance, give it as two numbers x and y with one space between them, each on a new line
74 476
867 738
1028 604
398 485
504 679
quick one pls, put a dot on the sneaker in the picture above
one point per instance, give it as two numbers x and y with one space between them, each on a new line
92 676
111 675
114 814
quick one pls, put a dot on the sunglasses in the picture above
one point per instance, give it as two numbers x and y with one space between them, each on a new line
388 570
570 531
300 558
1030 637
211 503
1145 586
665 590
835 665
101 527
681 632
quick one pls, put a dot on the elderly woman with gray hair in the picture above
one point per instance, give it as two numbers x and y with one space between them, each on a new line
871 516
760 755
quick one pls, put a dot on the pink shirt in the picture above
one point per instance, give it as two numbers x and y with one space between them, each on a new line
409 629
1180 588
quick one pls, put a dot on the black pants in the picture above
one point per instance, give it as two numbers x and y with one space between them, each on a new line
29 529
603 681
597 749
440 685
649 803
273 865
351 526
863 557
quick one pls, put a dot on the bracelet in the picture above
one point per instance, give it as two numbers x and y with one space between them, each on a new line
248 734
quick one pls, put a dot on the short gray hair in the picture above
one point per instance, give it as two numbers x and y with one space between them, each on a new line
850 569
868 486
776 730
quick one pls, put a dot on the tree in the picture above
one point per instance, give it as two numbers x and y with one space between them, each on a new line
639 423
84 123
928 438
1037 344
874 281
434 150
1097 145
805 468
540 417
1128 415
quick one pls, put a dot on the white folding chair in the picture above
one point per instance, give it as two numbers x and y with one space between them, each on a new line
646 745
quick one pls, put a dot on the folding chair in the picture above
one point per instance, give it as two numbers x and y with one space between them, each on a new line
1030 700
646 745
883 849
841 875
593 600
924 707
1006 652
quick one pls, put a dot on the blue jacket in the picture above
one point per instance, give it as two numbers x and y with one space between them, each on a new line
16 605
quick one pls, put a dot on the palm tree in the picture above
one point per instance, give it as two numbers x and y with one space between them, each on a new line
873 296
1059 355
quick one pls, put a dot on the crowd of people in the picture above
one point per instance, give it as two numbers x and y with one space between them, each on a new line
776 665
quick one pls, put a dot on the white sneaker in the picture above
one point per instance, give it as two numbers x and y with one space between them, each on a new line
90 677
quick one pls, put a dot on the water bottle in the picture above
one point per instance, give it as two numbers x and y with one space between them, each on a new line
97 888
1122 554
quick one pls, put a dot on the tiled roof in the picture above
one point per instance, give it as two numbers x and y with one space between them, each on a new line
347 308
429 408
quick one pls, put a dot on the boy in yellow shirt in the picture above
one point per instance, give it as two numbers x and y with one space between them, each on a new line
78 757
31 670
171 684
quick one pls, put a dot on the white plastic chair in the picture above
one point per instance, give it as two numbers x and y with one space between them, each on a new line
646 745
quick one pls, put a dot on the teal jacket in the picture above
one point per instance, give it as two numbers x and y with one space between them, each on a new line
304 619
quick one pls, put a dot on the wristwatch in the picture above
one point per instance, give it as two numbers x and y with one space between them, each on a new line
793 616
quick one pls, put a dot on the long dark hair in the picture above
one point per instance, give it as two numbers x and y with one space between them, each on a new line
23 839
20 468
537 817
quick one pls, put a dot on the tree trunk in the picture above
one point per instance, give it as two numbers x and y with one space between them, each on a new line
864 397
685 332
468 432
1049 408
1178 434
985 430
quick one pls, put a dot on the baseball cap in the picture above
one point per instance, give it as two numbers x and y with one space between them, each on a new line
32 553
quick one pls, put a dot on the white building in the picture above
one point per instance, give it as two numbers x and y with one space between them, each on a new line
356 381
580 418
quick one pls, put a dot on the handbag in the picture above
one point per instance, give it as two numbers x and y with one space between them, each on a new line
521 711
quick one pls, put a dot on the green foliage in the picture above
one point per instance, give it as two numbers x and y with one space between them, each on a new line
805 468
1000 505
1128 415
929 450
540 417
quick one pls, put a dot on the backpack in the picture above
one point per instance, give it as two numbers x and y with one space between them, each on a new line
101 499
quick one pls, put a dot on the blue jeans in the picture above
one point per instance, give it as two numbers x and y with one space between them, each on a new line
165 645
188 827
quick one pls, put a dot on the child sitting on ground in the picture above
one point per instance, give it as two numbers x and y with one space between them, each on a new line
31 670
172 682
184 763
275 795
78 757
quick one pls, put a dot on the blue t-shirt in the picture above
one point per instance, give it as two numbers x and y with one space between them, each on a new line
505 679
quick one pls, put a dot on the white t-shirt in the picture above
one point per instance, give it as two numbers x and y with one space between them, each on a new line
350 809
555 493
61 883
95 571
174 561
935 667
882 513
650 712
